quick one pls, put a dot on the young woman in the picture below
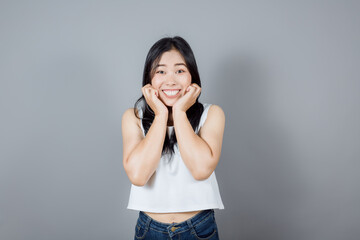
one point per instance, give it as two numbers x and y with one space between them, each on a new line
171 147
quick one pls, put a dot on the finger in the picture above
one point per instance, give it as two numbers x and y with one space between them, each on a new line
143 92
195 85
148 92
192 89
198 89
153 92
198 92
146 86
149 86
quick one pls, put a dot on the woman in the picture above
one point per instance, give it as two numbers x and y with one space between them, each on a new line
169 151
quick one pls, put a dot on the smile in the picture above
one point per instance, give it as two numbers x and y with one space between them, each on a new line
171 93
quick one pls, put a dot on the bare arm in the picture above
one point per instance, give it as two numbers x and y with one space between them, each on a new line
200 153
141 155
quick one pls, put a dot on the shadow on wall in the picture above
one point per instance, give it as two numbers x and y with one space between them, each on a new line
257 179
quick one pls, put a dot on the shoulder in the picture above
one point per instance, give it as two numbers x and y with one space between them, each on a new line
215 111
214 125
130 117
215 120
129 113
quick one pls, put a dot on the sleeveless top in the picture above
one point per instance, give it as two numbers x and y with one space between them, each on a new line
172 188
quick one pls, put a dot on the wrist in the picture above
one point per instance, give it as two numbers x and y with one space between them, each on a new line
161 117
178 113
162 113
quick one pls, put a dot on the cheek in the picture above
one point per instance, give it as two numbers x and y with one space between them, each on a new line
155 83
186 80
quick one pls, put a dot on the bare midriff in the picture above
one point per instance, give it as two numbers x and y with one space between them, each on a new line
172 217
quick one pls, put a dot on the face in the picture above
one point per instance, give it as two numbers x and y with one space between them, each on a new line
171 77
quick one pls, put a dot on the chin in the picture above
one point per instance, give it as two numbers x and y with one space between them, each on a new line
169 104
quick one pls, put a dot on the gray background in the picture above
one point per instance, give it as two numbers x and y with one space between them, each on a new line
286 74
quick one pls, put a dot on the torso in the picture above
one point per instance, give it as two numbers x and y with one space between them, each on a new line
170 217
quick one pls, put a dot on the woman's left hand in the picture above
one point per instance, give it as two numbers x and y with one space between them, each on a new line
188 99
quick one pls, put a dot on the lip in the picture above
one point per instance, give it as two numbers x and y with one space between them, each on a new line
175 96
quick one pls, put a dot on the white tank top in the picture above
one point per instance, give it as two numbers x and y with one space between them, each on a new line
172 188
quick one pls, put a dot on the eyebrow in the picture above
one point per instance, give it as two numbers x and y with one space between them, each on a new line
164 65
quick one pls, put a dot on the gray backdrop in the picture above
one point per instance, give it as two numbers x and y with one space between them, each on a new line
286 74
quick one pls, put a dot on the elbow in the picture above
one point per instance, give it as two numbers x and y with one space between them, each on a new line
138 179
203 172
138 183
202 175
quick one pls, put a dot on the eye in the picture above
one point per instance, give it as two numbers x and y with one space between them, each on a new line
161 72
180 71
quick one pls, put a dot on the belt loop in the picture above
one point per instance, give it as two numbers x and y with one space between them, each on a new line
191 226
148 221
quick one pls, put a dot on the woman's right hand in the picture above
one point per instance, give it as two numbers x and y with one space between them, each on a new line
152 98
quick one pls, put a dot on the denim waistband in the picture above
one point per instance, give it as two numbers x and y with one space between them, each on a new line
147 222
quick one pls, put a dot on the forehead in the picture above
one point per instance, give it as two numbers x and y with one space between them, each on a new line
171 57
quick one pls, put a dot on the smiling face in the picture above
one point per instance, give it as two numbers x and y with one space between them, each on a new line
171 77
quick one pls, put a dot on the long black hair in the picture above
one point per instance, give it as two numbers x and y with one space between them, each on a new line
153 58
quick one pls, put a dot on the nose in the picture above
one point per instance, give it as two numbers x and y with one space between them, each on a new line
170 79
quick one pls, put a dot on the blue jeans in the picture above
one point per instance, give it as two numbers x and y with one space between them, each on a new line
200 226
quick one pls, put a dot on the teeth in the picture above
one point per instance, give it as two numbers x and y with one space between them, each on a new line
171 93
